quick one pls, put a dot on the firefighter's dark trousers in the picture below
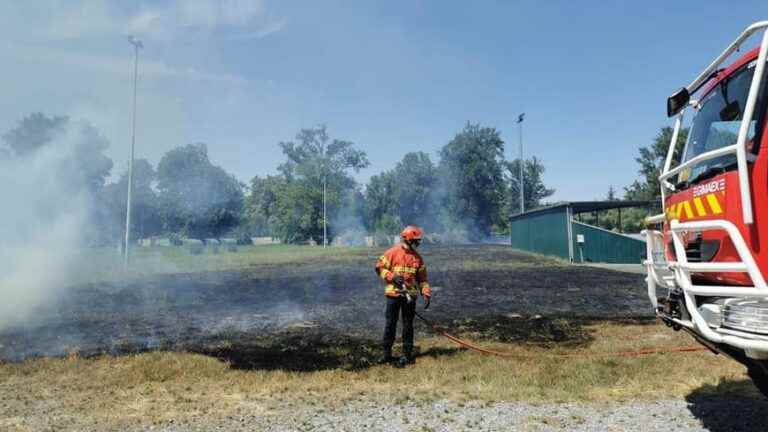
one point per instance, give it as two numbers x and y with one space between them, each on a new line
396 306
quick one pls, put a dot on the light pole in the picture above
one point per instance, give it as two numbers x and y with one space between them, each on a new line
324 172
325 212
136 45
520 119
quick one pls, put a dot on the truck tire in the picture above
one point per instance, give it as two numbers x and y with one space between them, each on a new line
758 372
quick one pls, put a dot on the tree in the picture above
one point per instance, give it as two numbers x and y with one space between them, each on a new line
146 220
83 163
651 161
471 165
75 165
315 156
609 219
647 188
533 186
314 161
261 204
33 132
197 198
405 194
90 163
380 200
414 180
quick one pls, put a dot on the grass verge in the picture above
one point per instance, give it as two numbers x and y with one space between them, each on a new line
158 387
102 265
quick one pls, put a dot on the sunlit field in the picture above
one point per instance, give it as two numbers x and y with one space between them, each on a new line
326 354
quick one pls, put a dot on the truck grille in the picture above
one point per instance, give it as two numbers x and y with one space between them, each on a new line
699 250
693 249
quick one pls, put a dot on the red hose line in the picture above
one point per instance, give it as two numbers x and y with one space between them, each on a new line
482 350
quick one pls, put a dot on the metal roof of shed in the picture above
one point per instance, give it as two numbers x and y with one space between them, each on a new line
586 206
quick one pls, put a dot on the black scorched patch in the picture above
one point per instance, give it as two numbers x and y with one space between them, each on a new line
306 316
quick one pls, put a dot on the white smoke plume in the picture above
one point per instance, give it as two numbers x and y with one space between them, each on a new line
44 215
348 226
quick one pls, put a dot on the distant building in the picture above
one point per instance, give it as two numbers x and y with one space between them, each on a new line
555 231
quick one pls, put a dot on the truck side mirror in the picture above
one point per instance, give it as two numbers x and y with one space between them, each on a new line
677 101
731 112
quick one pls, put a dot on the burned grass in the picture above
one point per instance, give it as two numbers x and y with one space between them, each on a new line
294 351
274 335
163 388
532 331
306 348
338 293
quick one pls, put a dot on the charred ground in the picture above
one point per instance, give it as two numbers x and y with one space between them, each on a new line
325 311
285 338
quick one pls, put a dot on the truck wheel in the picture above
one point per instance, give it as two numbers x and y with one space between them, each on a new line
759 375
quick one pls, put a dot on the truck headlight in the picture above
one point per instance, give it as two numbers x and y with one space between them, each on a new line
749 315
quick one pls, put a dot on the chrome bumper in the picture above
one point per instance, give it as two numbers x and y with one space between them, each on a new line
742 314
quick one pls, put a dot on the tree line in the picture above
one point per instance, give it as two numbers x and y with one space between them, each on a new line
470 190
185 195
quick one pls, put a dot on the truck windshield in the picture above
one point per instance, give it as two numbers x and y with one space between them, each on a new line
717 125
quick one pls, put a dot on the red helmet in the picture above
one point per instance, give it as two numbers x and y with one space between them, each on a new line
411 232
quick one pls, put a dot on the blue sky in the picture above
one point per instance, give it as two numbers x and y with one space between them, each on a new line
393 77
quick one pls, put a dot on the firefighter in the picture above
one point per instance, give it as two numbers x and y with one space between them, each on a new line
405 274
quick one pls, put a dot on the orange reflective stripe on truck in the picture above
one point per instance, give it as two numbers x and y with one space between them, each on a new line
684 210
699 206
714 204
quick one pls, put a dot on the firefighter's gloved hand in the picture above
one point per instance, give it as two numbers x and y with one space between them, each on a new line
426 302
398 281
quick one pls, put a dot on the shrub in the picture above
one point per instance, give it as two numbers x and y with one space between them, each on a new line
244 239
382 238
175 239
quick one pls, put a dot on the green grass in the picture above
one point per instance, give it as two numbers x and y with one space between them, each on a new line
106 264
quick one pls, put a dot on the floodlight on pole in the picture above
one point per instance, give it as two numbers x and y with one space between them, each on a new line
520 119
136 46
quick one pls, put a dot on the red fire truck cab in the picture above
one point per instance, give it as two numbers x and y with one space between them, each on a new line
707 253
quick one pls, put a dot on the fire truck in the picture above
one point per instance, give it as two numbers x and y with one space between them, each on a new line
707 252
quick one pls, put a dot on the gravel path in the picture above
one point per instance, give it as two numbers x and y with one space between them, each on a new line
744 414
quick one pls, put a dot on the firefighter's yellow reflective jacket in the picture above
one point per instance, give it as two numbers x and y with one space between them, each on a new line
403 261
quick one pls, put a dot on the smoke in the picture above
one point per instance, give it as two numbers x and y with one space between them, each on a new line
433 196
348 223
46 207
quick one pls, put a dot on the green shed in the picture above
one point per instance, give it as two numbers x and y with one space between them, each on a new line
554 231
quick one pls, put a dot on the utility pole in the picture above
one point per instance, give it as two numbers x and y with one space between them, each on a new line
324 166
325 212
136 45
520 119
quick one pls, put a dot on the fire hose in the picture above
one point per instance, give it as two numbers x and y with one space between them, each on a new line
647 351
439 330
